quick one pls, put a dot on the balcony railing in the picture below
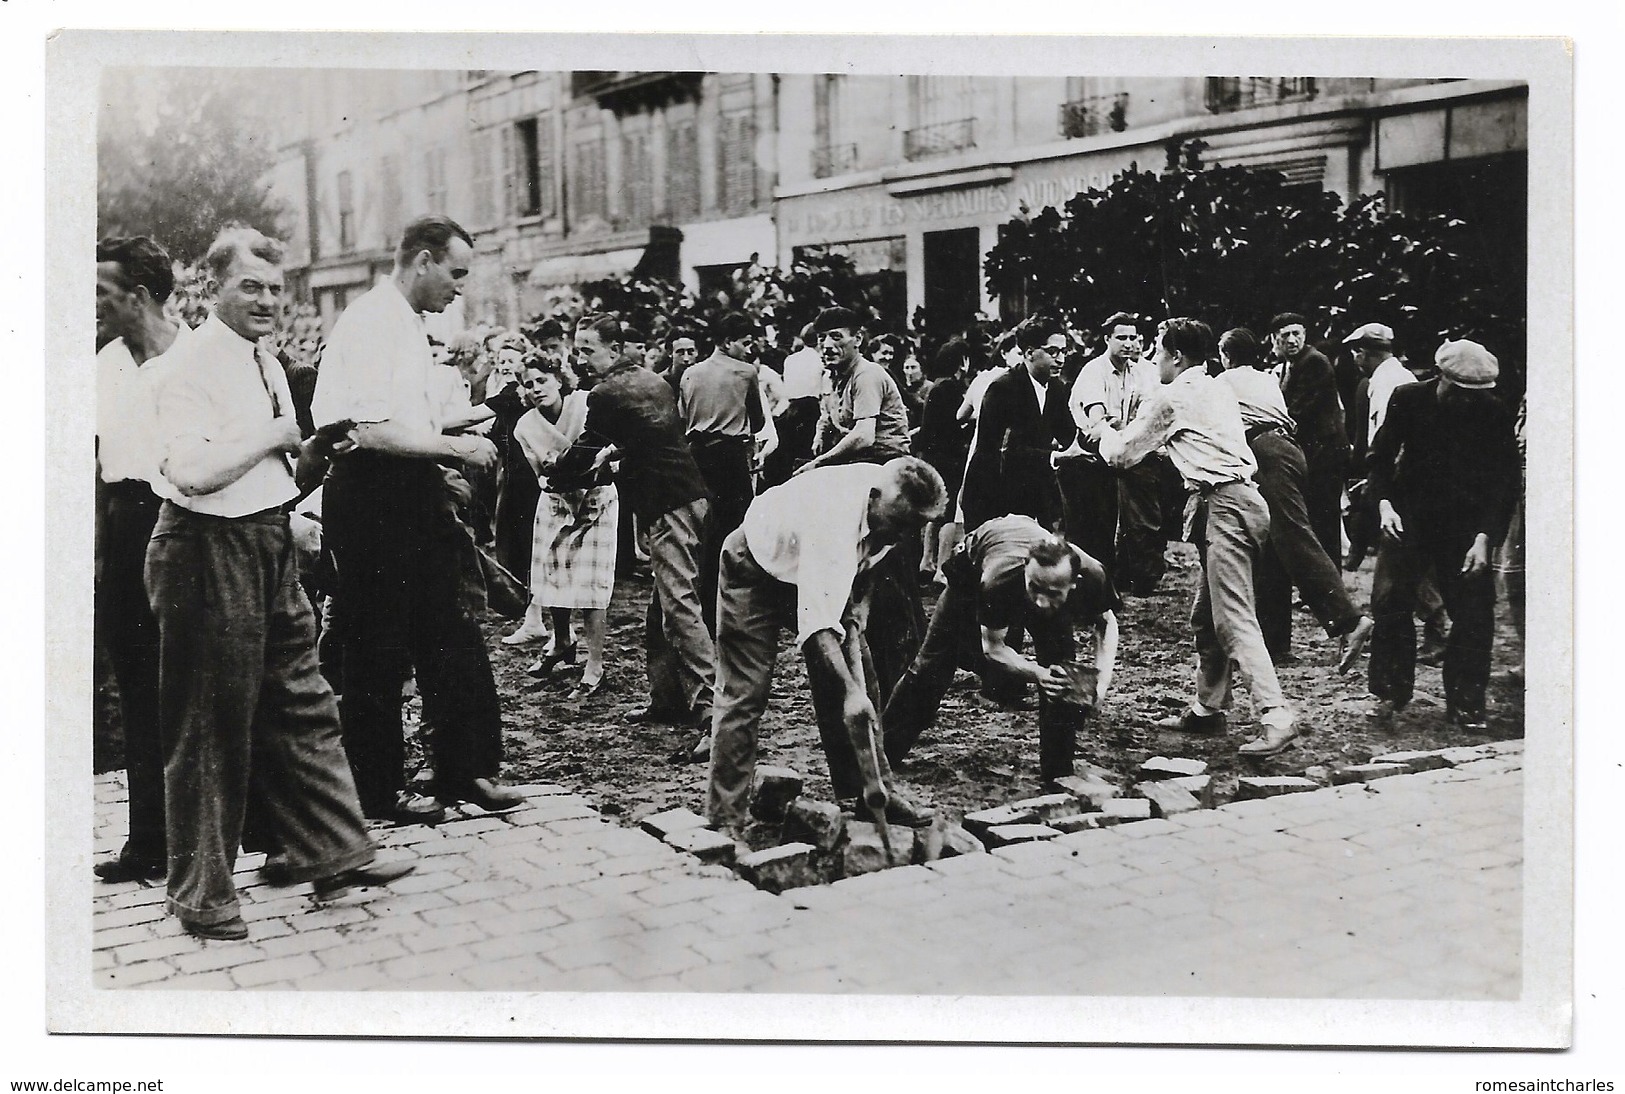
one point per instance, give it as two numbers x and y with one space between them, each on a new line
1229 93
834 159
941 139
1094 114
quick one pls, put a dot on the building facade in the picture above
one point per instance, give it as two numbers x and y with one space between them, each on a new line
916 174
571 177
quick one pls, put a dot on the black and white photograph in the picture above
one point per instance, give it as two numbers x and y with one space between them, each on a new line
873 541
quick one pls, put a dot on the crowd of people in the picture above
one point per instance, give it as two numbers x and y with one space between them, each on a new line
285 547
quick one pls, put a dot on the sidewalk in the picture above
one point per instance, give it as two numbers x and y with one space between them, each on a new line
1406 887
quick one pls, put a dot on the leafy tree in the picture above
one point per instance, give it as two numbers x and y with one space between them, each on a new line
1234 246
178 157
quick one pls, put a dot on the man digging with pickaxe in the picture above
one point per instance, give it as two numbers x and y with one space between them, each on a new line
801 560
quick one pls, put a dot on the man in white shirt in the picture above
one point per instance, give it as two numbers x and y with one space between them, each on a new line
133 279
399 553
1197 417
242 697
803 559
1114 515
1373 347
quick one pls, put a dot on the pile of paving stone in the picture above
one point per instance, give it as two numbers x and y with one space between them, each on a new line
819 843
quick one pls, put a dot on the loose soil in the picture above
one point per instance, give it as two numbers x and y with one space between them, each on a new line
979 753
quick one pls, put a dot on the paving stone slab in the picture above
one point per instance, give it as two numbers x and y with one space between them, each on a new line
703 844
807 820
1077 822
1364 773
661 825
1048 806
943 838
980 821
1201 786
864 851
1175 767
1414 761
1258 787
1090 789
776 869
1166 799
1003 835
773 791
1122 810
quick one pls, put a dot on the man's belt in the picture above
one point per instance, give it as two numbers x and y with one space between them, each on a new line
1257 431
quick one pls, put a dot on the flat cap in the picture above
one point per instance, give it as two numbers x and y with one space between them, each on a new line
1467 364
1371 332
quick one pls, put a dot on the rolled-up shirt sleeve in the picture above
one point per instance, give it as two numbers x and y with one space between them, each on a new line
1148 432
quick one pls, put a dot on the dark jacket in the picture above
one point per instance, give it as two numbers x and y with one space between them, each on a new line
1312 400
1009 469
1448 466
635 410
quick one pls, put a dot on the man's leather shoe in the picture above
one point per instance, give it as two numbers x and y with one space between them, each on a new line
701 752
413 808
125 867
1272 742
1192 722
274 871
227 930
1354 642
374 873
488 794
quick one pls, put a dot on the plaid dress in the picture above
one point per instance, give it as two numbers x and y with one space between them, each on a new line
572 561
573 543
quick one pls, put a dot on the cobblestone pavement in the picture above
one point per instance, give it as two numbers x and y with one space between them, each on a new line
1406 887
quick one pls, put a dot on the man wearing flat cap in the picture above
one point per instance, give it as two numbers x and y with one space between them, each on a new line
1444 478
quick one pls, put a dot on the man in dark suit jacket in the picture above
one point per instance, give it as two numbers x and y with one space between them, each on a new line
1023 422
1310 387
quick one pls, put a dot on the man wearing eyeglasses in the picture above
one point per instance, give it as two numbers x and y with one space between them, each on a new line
1024 421
397 547
1113 514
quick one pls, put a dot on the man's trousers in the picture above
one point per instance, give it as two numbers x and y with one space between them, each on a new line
1115 517
678 646
128 632
724 464
1323 498
400 605
1469 600
1224 619
1294 554
752 608
242 702
912 708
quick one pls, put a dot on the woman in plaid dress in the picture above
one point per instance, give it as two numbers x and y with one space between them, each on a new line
573 546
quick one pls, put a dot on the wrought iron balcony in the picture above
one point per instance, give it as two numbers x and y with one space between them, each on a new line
1230 93
1094 114
939 140
834 159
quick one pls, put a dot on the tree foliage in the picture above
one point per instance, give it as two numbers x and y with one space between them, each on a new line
1234 246
182 169
783 300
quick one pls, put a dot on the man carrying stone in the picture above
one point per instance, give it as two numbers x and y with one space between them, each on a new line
133 279
804 559
398 549
1195 415
1013 572
241 697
